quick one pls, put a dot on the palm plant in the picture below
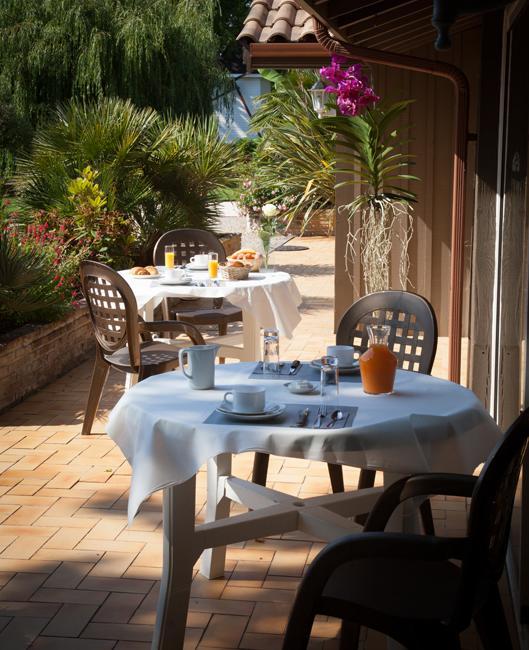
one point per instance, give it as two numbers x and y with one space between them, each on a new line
372 158
161 172
296 154
27 287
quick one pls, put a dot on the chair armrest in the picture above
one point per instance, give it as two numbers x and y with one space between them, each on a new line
172 326
376 546
414 486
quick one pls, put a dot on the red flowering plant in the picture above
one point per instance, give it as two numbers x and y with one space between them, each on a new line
350 85
373 156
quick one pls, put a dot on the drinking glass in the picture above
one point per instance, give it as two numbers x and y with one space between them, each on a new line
213 265
169 257
271 351
329 383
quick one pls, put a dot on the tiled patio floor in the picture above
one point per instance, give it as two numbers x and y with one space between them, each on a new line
73 576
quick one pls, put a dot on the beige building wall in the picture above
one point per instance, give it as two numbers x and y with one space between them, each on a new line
432 130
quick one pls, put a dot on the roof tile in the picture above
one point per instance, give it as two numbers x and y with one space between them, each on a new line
277 20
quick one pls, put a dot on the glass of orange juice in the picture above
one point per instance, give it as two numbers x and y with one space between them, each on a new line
213 265
169 257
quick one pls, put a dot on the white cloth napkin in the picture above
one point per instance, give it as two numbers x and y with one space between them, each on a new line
426 425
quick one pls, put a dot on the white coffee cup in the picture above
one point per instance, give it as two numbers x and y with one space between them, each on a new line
246 399
199 260
175 274
344 354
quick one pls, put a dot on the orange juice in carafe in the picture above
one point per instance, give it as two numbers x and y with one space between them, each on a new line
378 364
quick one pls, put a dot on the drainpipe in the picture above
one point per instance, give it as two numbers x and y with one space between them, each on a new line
460 83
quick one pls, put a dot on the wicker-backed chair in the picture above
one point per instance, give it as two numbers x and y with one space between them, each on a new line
188 242
123 340
408 586
413 339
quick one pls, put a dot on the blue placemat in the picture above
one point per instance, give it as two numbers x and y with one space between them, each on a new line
290 417
304 371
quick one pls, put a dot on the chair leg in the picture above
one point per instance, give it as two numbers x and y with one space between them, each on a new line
99 377
491 623
365 480
427 517
336 476
260 468
223 330
349 636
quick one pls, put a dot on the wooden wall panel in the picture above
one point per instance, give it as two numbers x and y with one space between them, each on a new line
432 120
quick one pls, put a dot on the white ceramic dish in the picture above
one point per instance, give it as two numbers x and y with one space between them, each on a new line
197 267
344 370
271 411
301 387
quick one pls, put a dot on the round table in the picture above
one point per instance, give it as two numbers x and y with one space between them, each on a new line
427 424
267 299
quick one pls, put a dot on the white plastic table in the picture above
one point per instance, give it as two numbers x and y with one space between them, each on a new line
267 299
428 424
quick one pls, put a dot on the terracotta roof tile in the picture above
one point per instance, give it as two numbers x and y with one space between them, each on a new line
277 20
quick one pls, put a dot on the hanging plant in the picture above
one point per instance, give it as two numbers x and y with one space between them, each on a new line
371 155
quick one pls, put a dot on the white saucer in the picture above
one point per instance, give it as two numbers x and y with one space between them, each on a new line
180 282
301 387
271 411
193 267
344 370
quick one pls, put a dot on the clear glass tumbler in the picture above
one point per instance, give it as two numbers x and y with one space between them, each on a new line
271 362
329 383
169 257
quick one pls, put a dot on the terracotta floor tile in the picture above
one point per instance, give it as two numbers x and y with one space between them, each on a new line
20 632
59 643
70 620
118 608
224 631
75 596
22 586
112 565
117 584
28 610
118 631
269 618
68 575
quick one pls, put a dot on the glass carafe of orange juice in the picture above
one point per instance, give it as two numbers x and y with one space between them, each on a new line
378 364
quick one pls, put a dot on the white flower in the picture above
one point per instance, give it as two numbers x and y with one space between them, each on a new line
269 210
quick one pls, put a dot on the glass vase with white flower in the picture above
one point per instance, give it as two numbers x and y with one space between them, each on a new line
268 227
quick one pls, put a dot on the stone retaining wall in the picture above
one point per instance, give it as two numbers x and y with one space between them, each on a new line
42 353
231 242
321 223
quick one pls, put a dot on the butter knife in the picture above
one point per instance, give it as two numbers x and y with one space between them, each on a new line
303 416
294 366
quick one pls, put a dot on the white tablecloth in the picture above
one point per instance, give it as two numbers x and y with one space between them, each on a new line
428 424
273 298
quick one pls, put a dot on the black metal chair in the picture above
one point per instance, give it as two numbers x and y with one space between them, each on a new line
123 340
413 338
188 242
408 586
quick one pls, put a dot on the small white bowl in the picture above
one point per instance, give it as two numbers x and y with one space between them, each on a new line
301 387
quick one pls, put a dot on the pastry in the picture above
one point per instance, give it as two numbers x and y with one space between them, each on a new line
152 270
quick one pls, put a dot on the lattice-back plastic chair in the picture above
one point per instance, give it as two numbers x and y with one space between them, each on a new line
198 311
123 340
408 586
187 242
412 322
412 338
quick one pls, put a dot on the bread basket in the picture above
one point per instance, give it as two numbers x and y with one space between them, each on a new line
256 262
234 272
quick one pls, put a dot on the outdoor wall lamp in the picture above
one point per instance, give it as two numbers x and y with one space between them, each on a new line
317 94
445 13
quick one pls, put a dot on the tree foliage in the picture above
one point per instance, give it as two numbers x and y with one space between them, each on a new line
162 173
159 53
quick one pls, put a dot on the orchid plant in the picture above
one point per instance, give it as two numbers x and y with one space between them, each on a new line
371 158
